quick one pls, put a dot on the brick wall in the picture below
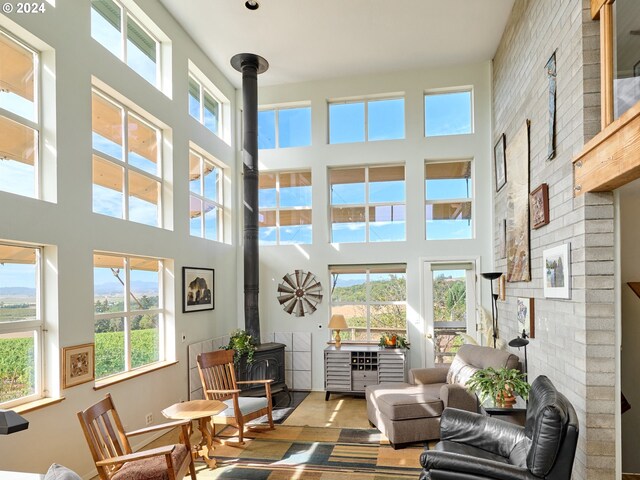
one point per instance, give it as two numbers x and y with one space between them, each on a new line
574 341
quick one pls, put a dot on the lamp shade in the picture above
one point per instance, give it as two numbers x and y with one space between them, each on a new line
519 342
338 322
11 422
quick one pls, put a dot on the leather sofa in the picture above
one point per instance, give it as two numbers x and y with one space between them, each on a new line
410 412
477 447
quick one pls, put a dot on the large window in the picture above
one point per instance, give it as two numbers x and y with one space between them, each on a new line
448 194
127 170
449 113
129 313
116 29
373 300
368 204
206 198
204 106
20 325
285 208
19 118
626 78
366 120
284 127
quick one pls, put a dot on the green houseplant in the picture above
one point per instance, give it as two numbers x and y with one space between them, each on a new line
500 385
393 340
243 345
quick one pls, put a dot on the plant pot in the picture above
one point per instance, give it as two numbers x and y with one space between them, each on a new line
391 341
505 399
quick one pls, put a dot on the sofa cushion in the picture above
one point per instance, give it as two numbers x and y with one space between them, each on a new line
154 468
402 401
463 449
58 472
460 371
471 358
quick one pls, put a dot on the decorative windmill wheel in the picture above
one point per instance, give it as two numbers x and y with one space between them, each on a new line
299 293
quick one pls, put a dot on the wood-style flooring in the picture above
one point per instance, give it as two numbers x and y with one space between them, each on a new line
341 411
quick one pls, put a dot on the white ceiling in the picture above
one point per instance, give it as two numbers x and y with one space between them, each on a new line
316 39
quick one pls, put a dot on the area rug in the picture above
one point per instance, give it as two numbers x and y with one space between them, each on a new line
313 453
283 406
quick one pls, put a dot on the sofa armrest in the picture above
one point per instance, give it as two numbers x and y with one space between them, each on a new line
490 434
427 376
454 395
482 467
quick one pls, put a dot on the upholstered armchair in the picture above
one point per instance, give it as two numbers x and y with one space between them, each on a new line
477 447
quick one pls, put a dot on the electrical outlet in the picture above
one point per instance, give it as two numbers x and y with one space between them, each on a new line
148 418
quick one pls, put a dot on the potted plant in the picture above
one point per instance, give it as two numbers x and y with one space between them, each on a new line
393 340
243 344
500 385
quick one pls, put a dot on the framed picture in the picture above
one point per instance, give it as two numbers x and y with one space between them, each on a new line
500 163
636 69
525 314
557 272
539 200
197 289
78 364
502 288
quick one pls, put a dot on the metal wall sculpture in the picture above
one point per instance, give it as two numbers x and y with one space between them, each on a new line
300 293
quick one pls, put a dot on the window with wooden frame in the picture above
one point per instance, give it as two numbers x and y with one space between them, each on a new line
206 211
610 160
285 208
368 204
448 199
19 117
127 167
128 313
120 32
372 298
21 325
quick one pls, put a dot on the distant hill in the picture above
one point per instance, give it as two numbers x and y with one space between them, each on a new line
115 288
17 291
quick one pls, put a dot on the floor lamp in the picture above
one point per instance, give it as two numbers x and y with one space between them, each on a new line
522 341
491 276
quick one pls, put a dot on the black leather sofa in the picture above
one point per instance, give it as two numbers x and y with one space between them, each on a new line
475 447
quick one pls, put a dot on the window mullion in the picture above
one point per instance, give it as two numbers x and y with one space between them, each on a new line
366 120
278 208
368 302
125 156
126 319
277 127
366 204
123 47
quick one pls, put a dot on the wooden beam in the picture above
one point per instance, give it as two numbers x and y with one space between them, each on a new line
606 61
596 5
611 158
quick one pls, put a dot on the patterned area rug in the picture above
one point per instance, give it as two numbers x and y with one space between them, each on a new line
313 453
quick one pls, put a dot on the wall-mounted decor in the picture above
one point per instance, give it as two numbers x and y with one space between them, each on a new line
500 163
518 258
636 69
197 289
300 293
525 314
502 288
539 200
77 365
557 271
551 74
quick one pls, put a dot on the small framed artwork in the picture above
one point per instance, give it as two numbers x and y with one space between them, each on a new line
539 201
502 288
557 271
78 365
525 314
500 163
197 289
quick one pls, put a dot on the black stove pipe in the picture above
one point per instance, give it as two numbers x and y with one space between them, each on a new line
250 66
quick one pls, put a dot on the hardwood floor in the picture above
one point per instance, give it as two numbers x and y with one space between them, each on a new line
342 411
631 476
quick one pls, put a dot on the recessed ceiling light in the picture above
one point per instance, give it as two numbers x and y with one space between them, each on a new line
252 4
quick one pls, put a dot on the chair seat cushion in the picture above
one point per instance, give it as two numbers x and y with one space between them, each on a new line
468 450
247 405
154 468
403 401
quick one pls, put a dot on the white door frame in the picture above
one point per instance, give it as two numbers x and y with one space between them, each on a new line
426 301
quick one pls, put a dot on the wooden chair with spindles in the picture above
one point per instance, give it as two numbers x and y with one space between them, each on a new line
112 454
218 377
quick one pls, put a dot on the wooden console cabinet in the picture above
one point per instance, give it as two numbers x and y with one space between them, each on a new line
350 368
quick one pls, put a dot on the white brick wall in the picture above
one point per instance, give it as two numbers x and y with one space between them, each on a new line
575 339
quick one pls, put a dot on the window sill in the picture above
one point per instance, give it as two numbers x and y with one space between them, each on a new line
37 404
107 382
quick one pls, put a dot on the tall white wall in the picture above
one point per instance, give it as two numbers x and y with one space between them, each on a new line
72 232
275 261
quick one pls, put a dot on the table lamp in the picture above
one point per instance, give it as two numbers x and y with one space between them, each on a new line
338 323
11 422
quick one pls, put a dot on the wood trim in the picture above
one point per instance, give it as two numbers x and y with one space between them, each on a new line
611 158
37 404
606 62
109 381
596 5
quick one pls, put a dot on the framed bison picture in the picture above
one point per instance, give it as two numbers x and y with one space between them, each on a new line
197 289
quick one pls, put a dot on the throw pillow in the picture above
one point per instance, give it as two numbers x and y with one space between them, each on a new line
58 472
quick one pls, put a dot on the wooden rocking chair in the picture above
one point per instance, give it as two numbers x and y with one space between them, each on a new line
218 377
109 445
